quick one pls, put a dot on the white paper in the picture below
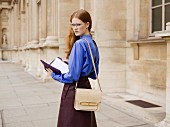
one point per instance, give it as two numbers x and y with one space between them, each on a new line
60 65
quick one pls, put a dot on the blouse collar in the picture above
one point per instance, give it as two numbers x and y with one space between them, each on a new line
86 36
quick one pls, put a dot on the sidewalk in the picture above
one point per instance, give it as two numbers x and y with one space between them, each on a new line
29 102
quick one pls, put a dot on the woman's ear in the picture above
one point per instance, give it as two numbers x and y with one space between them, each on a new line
87 24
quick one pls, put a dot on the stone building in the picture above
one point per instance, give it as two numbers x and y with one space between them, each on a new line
133 38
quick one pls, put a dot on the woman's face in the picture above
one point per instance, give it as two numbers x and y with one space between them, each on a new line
80 28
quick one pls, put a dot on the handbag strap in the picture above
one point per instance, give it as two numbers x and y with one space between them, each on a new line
93 65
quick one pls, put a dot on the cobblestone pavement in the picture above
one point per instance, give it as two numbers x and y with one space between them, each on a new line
29 102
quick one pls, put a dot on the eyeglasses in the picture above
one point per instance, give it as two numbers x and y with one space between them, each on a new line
75 24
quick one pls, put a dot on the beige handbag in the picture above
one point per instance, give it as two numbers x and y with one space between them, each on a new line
88 99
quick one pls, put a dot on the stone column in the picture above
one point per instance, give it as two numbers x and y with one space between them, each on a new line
43 18
49 49
11 39
33 45
0 37
0 32
16 31
29 19
23 24
42 13
52 38
34 22
23 31
28 35
166 35
10 28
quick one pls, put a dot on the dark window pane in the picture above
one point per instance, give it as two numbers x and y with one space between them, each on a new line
156 2
166 1
167 14
157 19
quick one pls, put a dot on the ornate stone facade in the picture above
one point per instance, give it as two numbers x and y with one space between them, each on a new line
131 61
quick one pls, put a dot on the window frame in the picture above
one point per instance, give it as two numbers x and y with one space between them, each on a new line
163 15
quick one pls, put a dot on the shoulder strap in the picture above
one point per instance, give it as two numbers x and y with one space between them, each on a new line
93 64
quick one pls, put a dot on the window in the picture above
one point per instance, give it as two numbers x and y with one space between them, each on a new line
160 14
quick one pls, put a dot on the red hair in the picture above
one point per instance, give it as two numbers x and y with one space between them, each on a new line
85 17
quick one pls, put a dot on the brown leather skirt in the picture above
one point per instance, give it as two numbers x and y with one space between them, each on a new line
68 116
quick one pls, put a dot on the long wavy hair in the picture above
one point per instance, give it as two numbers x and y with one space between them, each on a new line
85 17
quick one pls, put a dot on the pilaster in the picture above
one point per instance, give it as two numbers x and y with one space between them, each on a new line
12 28
29 18
52 38
16 31
43 16
34 22
23 24
0 31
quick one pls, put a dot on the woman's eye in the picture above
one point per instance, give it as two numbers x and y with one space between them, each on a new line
75 24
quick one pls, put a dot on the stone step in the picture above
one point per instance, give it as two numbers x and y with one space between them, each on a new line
118 101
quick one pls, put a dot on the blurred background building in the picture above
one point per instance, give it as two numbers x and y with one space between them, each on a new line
133 37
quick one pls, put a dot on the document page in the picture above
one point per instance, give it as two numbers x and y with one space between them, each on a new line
60 65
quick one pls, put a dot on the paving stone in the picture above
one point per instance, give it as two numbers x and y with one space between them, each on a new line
109 124
29 102
45 123
7 103
7 94
20 124
119 116
146 125
14 112
17 119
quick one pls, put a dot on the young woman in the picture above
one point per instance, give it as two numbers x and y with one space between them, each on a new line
80 69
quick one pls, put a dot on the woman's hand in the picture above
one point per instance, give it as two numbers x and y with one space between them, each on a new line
49 71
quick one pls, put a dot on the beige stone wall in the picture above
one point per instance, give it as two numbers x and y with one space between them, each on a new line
65 9
114 25
144 19
129 60
110 35
146 73
145 59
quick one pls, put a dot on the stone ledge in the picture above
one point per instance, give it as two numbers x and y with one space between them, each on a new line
50 45
10 49
162 34
148 41
41 45
136 44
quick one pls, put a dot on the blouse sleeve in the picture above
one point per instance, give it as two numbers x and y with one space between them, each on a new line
74 66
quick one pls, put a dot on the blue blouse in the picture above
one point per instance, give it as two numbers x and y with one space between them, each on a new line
80 63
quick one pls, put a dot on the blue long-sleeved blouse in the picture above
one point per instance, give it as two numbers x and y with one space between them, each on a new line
80 63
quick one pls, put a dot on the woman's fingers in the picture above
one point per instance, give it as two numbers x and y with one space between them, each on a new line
49 71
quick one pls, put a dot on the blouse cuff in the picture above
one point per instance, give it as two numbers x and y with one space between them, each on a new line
53 75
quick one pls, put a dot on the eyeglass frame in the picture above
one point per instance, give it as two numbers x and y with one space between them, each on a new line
76 24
